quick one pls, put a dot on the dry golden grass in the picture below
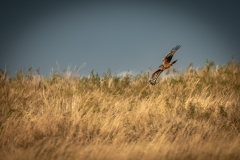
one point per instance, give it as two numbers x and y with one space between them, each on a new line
193 114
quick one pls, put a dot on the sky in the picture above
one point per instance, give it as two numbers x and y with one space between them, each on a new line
123 36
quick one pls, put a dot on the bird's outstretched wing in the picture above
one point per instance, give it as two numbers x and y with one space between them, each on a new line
166 63
155 76
168 57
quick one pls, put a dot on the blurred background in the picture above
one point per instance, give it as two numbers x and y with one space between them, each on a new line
124 36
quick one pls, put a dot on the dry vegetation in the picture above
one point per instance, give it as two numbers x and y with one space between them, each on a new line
192 114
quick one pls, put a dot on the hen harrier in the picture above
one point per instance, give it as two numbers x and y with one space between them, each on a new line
166 63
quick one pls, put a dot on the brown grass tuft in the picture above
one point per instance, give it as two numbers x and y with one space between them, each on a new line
189 115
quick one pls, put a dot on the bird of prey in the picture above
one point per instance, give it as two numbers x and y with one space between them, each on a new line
166 63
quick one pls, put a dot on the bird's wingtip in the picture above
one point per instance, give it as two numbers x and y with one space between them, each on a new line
177 47
174 61
151 82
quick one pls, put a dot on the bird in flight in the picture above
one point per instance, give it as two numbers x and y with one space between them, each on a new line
166 63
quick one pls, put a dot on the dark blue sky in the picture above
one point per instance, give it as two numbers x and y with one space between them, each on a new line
118 35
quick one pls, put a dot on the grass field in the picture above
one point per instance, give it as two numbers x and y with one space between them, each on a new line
190 114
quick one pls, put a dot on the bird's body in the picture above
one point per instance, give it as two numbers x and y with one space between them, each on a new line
166 63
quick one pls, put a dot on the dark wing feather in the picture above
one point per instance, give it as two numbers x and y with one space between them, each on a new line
169 56
154 77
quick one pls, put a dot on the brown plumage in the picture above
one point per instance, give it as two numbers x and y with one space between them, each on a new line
166 63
